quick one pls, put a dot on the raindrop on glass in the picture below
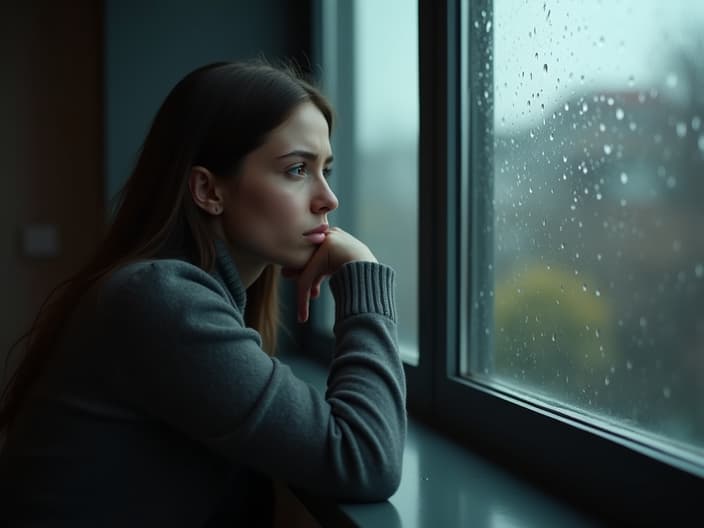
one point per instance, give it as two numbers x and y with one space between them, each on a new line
681 129
699 271
666 391
607 149
619 114
700 143
696 123
545 68
624 178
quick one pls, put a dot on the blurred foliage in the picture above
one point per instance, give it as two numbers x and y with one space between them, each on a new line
554 333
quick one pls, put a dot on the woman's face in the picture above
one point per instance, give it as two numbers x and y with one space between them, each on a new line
281 194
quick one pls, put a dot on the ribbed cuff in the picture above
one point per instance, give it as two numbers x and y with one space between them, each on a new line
364 287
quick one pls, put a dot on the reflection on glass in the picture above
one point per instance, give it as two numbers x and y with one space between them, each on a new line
598 160
386 147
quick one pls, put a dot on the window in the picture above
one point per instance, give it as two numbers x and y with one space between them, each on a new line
376 138
594 289
560 269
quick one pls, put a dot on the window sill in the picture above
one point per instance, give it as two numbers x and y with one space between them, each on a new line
443 484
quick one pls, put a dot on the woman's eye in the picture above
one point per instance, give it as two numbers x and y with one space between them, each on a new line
297 170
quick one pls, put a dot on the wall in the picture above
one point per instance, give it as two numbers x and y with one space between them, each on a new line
149 46
50 148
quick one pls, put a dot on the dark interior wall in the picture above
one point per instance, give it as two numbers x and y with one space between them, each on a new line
50 148
150 45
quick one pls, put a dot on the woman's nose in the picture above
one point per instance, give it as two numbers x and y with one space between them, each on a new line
324 200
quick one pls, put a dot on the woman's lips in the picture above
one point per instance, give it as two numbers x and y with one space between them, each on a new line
316 238
317 235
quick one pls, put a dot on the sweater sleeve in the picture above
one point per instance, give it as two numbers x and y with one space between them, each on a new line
189 361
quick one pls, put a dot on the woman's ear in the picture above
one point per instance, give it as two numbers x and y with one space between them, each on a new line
205 191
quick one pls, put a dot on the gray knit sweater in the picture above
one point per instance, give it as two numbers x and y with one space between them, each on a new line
159 407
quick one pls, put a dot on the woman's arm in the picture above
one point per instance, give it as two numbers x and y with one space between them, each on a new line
187 360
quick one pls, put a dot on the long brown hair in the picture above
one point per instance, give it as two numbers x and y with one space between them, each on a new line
213 118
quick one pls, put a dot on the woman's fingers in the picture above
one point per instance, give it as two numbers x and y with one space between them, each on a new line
311 276
337 249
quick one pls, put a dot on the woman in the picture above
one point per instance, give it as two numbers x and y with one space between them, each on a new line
147 395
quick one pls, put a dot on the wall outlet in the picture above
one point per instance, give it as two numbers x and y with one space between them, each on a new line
40 240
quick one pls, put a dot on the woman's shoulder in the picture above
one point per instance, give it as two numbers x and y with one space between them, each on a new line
163 283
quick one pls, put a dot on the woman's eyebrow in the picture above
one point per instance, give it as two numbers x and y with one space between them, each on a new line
311 156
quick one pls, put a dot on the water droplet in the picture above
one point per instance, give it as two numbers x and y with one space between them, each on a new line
666 391
598 256
564 159
552 138
619 114
585 107
598 196
597 333
597 293
545 68
584 288
602 127
567 107
632 126
643 322
676 245
623 202
607 149
532 134
610 101
629 365
554 338
696 123
681 129
488 26
699 271
700 142
671 182
606 380
624 178
631 80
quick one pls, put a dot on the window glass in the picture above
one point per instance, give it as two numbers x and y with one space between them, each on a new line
596 301
376 178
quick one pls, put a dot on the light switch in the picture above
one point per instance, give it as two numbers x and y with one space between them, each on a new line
40 240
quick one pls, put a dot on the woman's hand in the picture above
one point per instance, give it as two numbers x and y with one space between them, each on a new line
337 249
